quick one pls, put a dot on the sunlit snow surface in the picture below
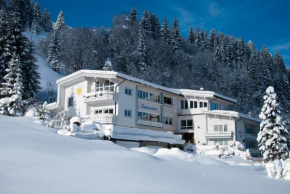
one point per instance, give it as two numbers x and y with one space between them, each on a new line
35 159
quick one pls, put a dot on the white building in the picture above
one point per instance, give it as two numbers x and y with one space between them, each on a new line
201 117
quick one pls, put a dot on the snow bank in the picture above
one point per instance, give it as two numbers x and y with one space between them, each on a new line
36 160
145 135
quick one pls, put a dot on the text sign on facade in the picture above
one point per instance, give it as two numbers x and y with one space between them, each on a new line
148 107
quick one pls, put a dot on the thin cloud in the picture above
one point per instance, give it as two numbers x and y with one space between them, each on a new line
185 18
285 46
214 9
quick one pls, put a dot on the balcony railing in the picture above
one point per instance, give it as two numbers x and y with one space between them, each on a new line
249 136
218 135
150 123
104 118
100 96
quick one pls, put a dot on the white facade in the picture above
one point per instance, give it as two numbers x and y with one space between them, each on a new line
114 98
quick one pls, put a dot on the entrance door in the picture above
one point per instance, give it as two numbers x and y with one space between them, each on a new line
188 137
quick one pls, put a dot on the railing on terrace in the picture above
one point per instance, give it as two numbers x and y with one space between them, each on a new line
104 118
99 96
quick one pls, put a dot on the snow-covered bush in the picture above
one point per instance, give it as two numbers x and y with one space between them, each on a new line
189 147
286 169
41 111
75 123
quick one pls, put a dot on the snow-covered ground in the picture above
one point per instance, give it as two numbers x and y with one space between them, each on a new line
35 159
46 73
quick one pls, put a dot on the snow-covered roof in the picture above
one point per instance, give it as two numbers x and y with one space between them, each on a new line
113 74
232 114
202 93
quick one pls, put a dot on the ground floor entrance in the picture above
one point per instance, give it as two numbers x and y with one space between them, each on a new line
188 137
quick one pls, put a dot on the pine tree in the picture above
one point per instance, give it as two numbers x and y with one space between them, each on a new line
53 54
60 22
145 23
46 23
108 65
35 26
30 75
41 111
212 40
12 87
272 138
142 52
175 35
165 33
190 36
133 15
155 25
197 37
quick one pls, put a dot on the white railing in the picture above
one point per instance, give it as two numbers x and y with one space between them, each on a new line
105 118
150 123
92 97
217 135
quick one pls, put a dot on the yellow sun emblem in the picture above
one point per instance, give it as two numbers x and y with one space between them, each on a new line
79 90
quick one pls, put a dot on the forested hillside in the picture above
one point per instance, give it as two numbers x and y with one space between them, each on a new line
154 50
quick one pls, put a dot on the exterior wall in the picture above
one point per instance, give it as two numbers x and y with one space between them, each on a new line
247 137
212 135
126 102
76 90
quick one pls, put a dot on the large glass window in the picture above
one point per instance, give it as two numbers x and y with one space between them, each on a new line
184 104
214 106
221 142
109 86
186 124
148 117
221 128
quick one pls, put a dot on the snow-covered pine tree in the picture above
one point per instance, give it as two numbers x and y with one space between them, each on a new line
175 35
53 54
133 15
197 37
60 22
35 26
30 75
212 41
272 138
142 52
46 23
165 33
155 25
145 24
190 36
108 65
12 87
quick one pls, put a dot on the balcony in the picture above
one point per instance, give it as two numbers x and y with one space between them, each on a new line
100 96
252 137
104 118
218 135
150 123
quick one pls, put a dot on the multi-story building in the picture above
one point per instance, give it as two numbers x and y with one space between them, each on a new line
201 117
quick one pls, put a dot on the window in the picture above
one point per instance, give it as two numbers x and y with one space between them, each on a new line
167 100
205 104
128 91
221 142
167 120
99 86
221 128
195 104
191 104
200 104
109 86
108 111
98 112
128 113
70 101
184 104
148 96
186 124
148 117
214 106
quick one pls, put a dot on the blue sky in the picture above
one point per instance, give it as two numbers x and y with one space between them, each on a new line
262 21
